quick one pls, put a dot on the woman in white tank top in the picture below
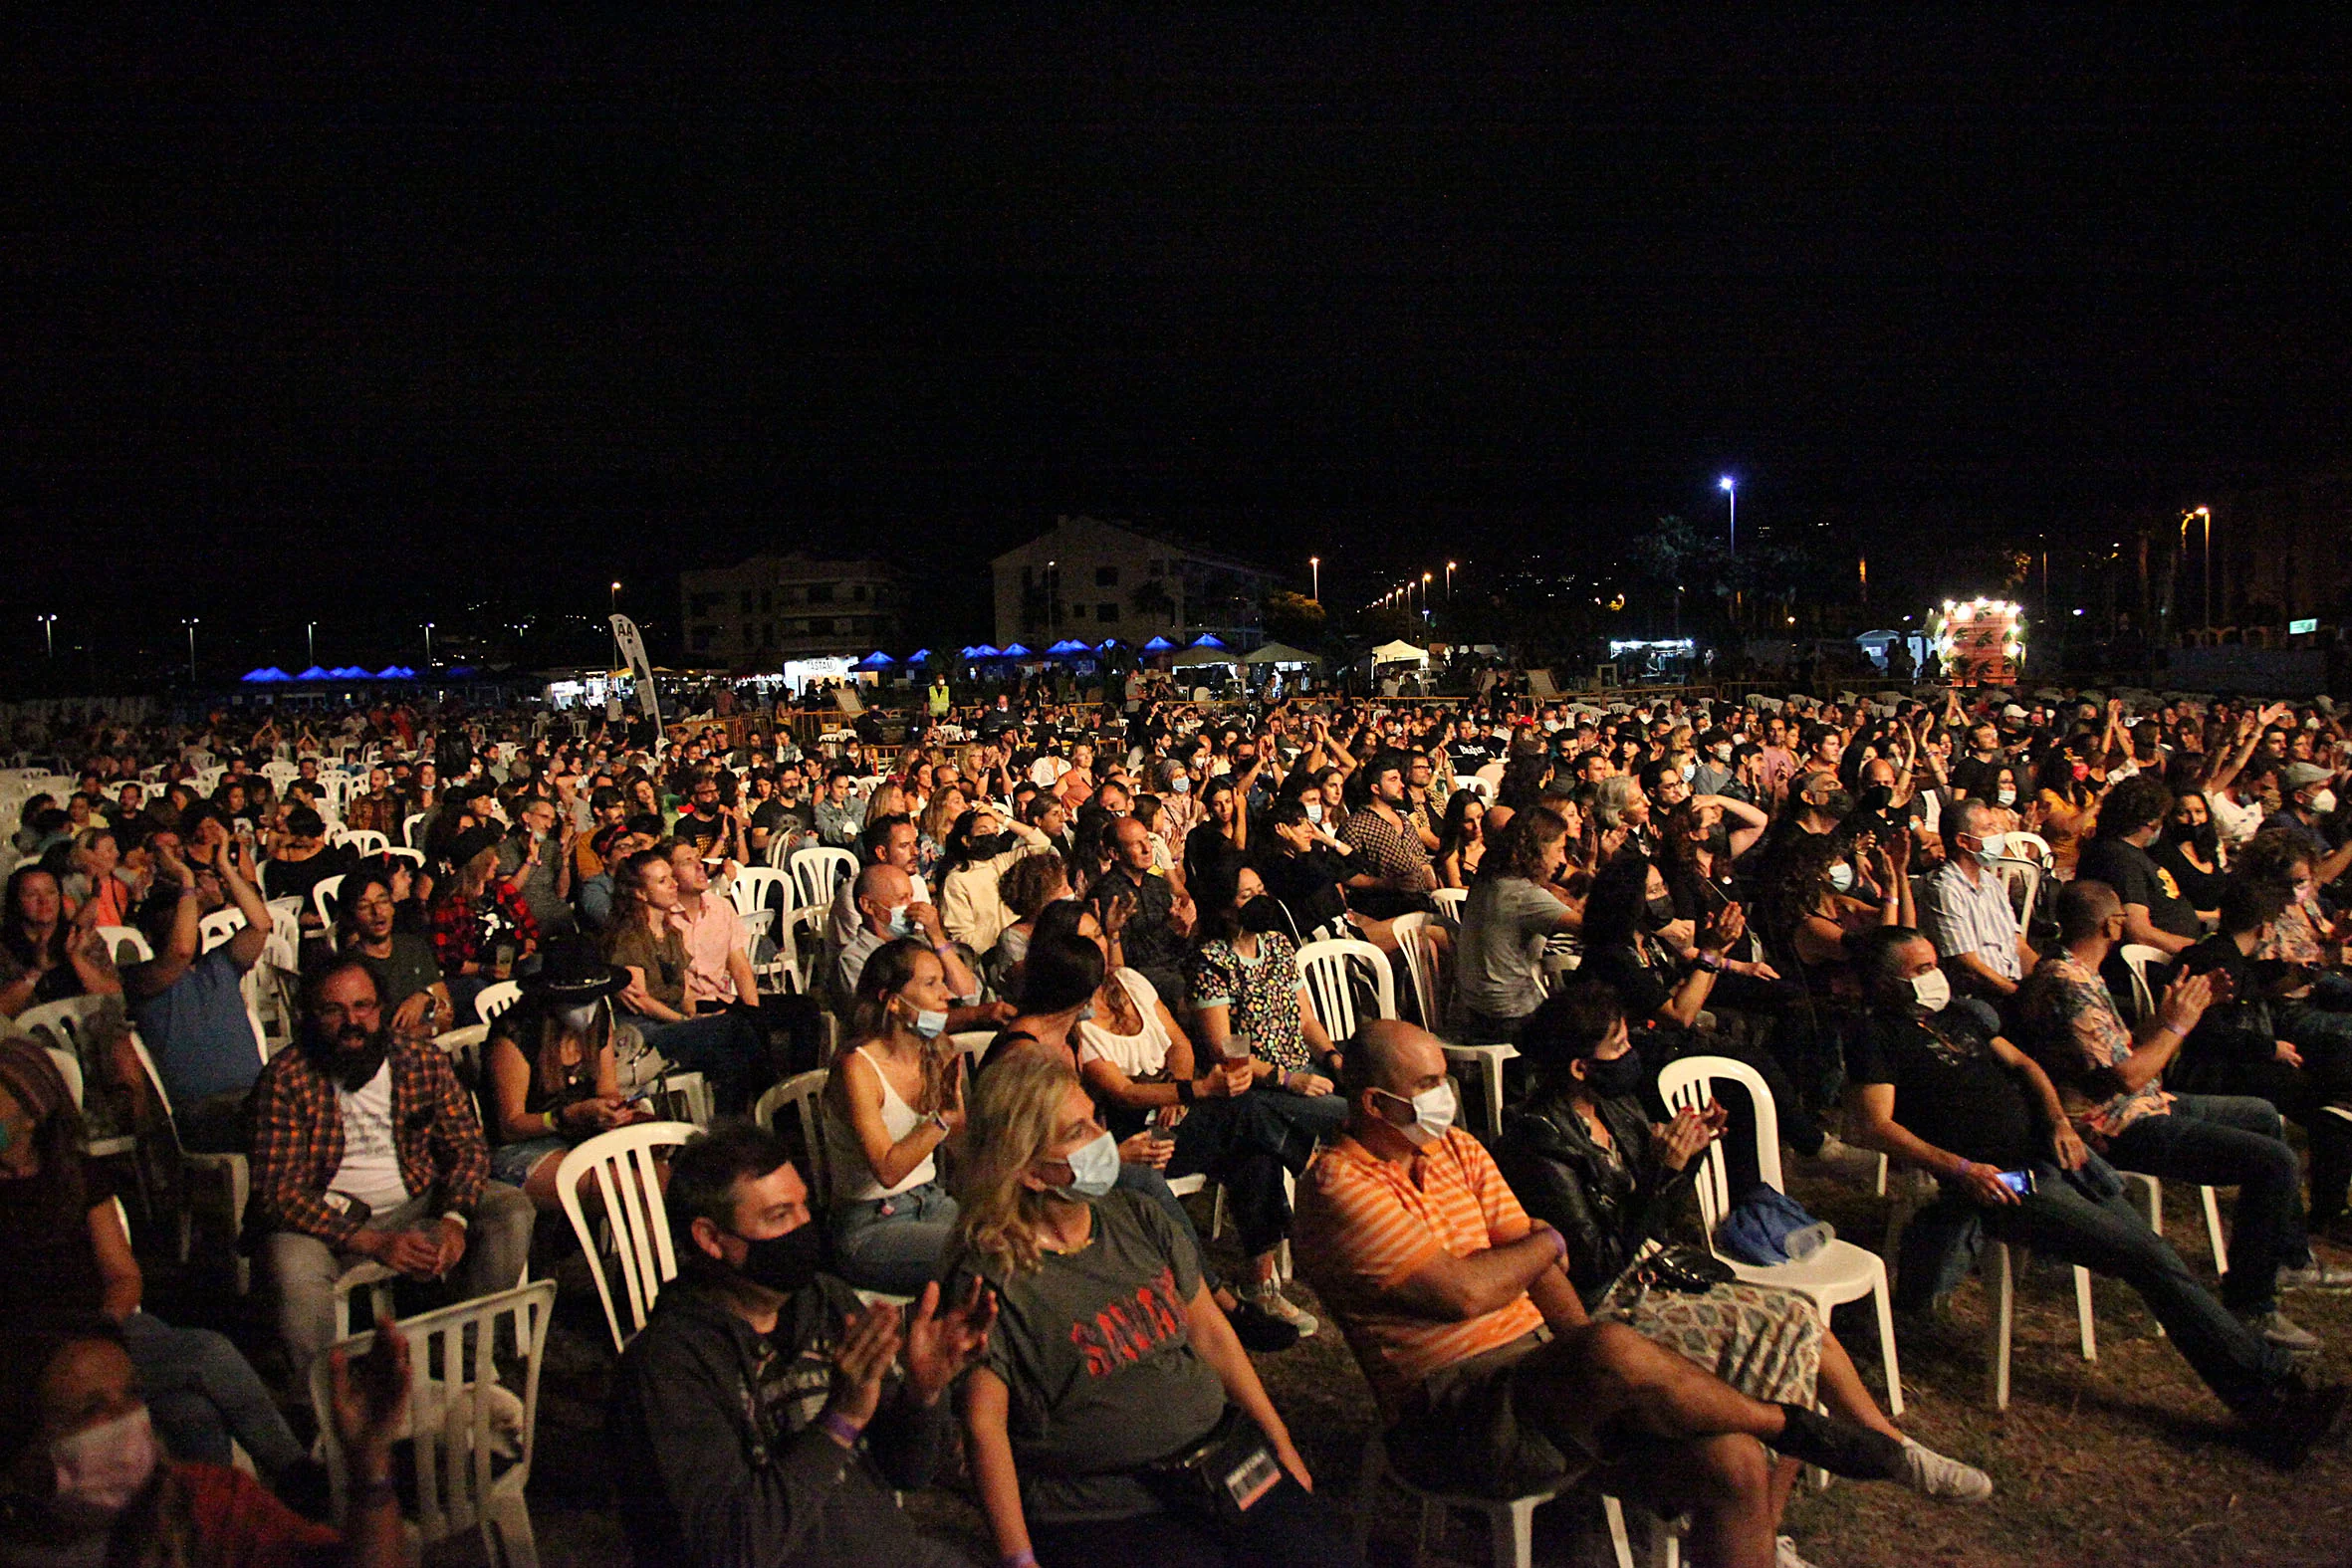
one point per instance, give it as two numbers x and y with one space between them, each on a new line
889 1105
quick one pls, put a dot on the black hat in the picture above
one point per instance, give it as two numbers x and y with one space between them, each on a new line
572 971
466 846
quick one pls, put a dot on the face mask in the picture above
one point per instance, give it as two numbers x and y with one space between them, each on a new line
1262 915
784 1263
1986 856
101 1469
1613 1077
992 846
2323 803
1842 876
929 1023
1932 991
1836 804
1314 813
2004 797
1659 911
1722 753
901 922
2080 771
1087 1012
1433 1112
1180 785
1093 1169
577 1020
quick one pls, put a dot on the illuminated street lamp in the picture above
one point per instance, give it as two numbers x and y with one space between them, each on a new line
48 633
1315 564
616 608
191 623
1449 582
1732 495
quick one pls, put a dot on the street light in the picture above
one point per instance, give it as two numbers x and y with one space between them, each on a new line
615 602
428 645
1315 564
2207 513
1425 596
48 633
310 636
1732 495
190 623
1449 582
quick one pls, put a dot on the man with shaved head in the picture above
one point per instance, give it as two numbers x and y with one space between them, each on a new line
1491 1378
888 908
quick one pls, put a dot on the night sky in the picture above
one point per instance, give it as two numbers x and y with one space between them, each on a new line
372 329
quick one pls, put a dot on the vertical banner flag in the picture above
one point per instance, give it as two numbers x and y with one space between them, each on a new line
632 648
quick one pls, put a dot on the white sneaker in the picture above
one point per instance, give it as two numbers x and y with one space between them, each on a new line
1785 1554
1845 1162
1269 1298
1926 1471
2316 1276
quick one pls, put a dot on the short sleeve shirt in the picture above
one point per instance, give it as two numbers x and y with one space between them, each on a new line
199 1032
2078 1035
1505 923
2138 879
1949 1087
1960 916
1366 1225
1262 995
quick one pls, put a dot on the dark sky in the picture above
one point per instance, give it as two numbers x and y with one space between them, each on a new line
323 325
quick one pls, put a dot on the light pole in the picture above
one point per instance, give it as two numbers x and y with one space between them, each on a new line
428 647
1315 564
1732 495
310 639
190 623
615 602
1425 596
1449 582
48 633
2207 513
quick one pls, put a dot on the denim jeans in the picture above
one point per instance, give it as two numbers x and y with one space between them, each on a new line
2300 1094
1287 1529
724 1047
202 1393
2229 1140
893 1244
1245 1144
2108 1236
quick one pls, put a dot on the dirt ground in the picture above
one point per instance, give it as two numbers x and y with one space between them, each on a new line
2126 1461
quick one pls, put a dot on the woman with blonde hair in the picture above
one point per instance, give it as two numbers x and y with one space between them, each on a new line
1109 1363
889 1105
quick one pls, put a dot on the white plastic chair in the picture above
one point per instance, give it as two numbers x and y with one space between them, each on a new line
1450 902
408 827
1424 967
629 1188
455 1402
817 874
232 1173
2137 956
119 938
324 893
491 1001
800 1091
65 1021
757 888
218 927
1327 969
1838 1273
1511 1522
365 841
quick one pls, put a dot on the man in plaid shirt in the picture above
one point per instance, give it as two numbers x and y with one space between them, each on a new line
365 1148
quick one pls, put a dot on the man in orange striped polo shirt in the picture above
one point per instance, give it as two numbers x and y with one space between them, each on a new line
1490 1376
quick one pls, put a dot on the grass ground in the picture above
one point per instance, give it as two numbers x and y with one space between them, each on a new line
2127 1463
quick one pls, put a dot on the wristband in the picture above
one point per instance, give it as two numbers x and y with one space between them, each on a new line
839 1427
1184 1091
1559 1246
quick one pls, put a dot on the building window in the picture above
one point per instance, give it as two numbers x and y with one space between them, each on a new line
1107 577
1106 612
766 600
704 603
858 593
821 593
821 626
702 638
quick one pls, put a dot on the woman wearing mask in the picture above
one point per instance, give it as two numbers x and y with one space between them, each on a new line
554 1073
1514 907
1243 974
891 1101
981 848
1180 806
1108 1363
1584 1158
1224 835
2190 847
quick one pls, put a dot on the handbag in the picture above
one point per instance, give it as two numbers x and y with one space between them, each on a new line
1223 1474
1692 1270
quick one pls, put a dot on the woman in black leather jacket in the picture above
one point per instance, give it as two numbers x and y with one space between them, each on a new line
1584 1158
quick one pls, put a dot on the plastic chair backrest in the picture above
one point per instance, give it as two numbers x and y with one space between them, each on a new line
2137 956
1450 901
218 927
802 1091
1421 965
324 893
408 827
1481 787
450 1416
492 1001
1690 1082
63 1021
414 857
365 841
629 1188
119 938
818 873
759 887
1327 969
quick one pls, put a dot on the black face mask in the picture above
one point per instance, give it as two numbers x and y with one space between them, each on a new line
1877 799
784 1264
1262 914
1658 913
1835 804
2203 836
1616 1076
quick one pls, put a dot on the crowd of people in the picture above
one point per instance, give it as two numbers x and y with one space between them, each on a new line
2022 946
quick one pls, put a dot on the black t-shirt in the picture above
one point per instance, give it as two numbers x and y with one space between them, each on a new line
1308 885
1949 1088
52 1276
1642 988
2138 879
1976 778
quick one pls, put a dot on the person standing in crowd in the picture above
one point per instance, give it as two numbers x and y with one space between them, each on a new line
770 1411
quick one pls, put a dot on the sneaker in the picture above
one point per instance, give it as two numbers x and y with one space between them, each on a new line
2342 1108
1258 1329
2295 1419
2281 1330
1929 1473
2316 1276
1842 1160
1269 1298
1785 1554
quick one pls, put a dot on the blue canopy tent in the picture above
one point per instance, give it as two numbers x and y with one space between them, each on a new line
877 661
314 673
1159 645
268 674
980 650
1014 650
1206 641
1070 649
394 672
919 656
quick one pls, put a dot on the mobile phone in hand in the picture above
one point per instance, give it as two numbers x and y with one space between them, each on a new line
2018 1181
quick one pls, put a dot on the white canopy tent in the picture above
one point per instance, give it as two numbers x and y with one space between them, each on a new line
1284 654
1400 652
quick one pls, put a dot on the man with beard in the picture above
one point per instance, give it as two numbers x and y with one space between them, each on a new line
365 1148
768 1407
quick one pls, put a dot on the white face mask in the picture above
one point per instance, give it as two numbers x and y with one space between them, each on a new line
1093 1169
2004 797
579 1020
1314 813
1433 1113
1933 990
1842 876
2323 803
1688 769
101 1469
